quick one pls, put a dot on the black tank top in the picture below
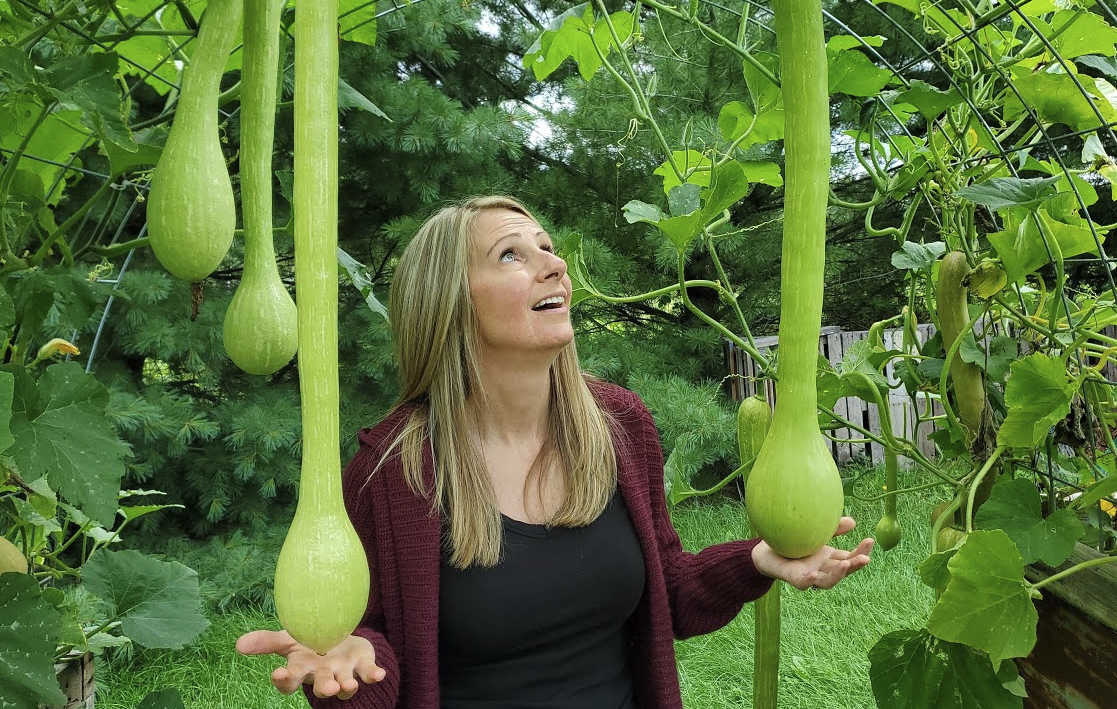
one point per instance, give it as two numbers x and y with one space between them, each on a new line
548 627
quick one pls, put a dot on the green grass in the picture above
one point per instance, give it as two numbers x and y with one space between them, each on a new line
826 634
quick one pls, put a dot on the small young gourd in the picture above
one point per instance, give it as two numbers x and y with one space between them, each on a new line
322 577
261 324
888 531
794 495
191 214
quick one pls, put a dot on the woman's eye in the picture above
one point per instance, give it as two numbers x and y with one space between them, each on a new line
508 256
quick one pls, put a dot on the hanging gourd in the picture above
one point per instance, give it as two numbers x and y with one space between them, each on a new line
322 577
191 214
794 494
261 324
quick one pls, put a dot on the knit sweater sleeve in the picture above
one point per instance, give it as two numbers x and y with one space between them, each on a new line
385 693
706 589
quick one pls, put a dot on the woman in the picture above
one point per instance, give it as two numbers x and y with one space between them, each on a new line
512 508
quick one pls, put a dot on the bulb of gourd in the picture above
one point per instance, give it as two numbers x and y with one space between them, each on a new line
321 579
794 494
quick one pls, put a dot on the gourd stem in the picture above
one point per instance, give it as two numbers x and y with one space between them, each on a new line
801 40
1073 570
315 217
259 80
977 483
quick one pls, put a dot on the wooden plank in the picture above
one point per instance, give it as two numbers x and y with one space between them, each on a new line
833 351
855 407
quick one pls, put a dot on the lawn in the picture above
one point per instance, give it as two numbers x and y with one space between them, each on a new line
826 634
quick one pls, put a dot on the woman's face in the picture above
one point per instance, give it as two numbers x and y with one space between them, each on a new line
520 289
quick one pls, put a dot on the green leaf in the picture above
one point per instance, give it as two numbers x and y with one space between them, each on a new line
987 279
763 173
29 627
357 21
1038 396
936 21
929 101
149 146
916 257
581 286
986 604
574 34
349 97
1002 192
1003 351
852 73
358 276
1015 507
637 211
1094 493
684 199
910 669
157 601
934 572
1023 249
1055 98
149 57
56 140
1082 33
699 165
16 68
162 699
61 432
857 359
87 82
1108 67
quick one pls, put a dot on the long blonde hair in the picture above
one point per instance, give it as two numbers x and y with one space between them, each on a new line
438 351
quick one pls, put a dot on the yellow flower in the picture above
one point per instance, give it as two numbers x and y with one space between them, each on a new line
57 346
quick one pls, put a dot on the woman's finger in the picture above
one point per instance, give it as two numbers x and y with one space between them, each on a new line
326 686
368 670
264 642
286 680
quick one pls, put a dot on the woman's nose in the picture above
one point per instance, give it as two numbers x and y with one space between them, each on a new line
554 266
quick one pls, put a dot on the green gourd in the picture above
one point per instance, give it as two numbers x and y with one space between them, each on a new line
261 324
191 214
754 418
794 494
322 576
888 531
951 304
11 558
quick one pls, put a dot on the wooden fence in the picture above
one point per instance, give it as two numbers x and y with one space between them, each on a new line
744 379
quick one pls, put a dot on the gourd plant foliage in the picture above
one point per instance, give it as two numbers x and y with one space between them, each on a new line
1006 157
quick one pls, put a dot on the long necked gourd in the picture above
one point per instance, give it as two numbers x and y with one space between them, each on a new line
261 324
794 494
191 214
322 577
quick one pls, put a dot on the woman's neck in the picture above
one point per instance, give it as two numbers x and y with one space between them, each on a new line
516 404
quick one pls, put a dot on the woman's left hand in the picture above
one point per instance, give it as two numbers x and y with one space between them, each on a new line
823 569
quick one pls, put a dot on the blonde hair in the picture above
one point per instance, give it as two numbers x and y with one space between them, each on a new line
438 351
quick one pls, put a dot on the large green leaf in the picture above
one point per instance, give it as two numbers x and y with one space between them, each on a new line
357 21
157 601
61 432
986 604
936 22
934 571
56 140
575 34
581 286
930 101
916 257
1015 507
1004 192
29 628
910 669
1055 98
1077 33
87 83
1023 249
1038 395
1002 352
724 186
849 71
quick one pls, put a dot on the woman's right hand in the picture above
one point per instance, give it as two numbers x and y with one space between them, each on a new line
333 674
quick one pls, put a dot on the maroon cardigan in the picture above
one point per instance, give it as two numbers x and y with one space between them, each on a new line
685 594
